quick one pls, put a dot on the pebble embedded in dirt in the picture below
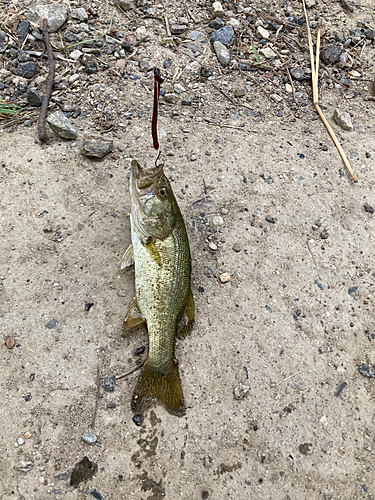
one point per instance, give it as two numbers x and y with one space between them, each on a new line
89 438
24 466
62 127
236 247
343 119
109 384
208 461
222 53
33 98
79 14
223 35
96 147
54 13
368 208
27 69
138 420
241 391
224 278
217 10
52 324
217 220
22 30
139 350
366 372
331 54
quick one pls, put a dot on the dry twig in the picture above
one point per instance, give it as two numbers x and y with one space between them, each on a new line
123 375
315 77
47 94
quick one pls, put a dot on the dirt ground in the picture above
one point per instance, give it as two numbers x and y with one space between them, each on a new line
278 213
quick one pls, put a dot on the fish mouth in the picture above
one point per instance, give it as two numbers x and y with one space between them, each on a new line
145 179
142 186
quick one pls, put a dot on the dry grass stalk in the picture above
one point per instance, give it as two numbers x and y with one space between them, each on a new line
314 78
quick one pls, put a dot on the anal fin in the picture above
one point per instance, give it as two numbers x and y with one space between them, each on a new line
134 316
186 319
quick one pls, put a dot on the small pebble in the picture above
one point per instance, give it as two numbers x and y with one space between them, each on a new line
23 466
324 235
212 245
91 68
366 372
340 388
9 342
109 384
236 247
224 278
27 435
96 495
60 124
208 461
41 480
241 391
52 324
139 350
96 147
138 420
28 397
217 220
343 119
272 220
20 441
89 438
33 98
368 208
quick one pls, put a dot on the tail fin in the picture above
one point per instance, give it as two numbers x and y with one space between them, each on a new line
154 385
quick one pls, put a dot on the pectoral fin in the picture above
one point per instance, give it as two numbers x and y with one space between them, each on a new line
152 249
128 258
134 316
186 318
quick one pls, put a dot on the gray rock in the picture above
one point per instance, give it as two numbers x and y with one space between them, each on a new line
268 53
96 147
69 37
33 98
91 68
206 71
3 35
366 372
370 34
62 127
27 69
208 461
297 74
171 98
241 391
196 35
206 205
216 23
89 438
223 35
178 29
79 14
52 324
23 466
54 13
109 384
145 65
179 88
331 54
217 10
23 56
222 53
22 30
343 119
126 4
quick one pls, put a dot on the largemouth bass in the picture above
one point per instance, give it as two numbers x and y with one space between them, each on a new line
163 298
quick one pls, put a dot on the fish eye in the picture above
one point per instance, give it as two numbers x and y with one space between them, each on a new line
164 192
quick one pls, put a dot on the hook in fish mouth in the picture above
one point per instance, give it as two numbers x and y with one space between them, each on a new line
146 178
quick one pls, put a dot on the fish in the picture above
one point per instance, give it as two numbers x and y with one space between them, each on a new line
163 299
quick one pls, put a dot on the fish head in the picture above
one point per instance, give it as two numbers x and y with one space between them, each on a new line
154 207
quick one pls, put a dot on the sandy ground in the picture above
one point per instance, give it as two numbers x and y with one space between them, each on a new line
294 322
